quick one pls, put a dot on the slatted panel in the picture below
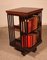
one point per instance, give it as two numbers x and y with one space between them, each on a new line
11 27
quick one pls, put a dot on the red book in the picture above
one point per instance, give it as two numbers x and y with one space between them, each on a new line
29 41
34 39
24 41
30 21
35 23
29 26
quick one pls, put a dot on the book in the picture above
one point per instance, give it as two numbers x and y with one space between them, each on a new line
34 39
26 28
23 26
24 41
29 25
29 41
35 22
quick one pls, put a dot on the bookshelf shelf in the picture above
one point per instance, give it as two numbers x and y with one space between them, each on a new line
30 23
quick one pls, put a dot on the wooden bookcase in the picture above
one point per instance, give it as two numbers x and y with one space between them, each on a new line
24 13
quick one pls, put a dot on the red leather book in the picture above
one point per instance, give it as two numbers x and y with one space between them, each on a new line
24 41
29 26
35 22
29 41
34 39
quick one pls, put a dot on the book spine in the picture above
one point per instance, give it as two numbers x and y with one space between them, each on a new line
30 25
25 26
26 41
22 26
29 41
22 42
34 39
35 22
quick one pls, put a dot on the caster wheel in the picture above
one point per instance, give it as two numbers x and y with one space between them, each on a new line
34 50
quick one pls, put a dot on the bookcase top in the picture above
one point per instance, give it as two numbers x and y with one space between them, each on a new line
23 11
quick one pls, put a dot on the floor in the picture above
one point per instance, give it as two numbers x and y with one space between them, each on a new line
9 53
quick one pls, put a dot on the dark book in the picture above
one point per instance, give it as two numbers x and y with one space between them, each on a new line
26 26
23 26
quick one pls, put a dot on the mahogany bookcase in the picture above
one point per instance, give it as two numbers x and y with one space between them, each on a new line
23 13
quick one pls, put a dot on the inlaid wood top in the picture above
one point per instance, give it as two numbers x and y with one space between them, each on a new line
23 11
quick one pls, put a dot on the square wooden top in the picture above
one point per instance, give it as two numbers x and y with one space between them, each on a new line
23 11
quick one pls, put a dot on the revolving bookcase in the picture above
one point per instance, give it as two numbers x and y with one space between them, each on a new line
30 27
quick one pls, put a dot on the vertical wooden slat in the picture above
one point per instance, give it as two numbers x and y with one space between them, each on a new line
10 19
20 23
40 30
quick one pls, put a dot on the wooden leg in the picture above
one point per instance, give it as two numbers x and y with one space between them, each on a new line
34 49
24 53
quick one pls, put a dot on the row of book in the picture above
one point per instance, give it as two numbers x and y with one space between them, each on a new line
29 40
29 24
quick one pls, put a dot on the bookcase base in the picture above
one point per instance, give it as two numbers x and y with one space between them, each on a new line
24 51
